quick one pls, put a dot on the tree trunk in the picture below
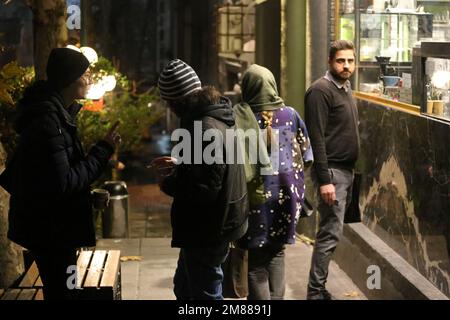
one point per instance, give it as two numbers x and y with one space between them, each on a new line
11 261
50 30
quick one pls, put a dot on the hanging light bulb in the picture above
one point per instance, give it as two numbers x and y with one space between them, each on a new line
108 83
441 79
90 54
95 92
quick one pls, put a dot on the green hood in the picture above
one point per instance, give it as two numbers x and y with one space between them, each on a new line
259 89
245 120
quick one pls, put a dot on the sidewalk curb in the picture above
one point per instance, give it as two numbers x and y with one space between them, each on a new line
361 248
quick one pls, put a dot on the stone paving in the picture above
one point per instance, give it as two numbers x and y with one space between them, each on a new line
150 278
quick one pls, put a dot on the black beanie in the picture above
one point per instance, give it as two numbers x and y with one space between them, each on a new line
65 66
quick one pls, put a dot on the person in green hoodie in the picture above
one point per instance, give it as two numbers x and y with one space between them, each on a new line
275 211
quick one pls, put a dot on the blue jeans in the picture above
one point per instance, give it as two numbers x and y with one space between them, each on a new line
266 275
199 273
330 229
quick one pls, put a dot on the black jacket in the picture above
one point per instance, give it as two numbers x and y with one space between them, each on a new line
49 176
210 203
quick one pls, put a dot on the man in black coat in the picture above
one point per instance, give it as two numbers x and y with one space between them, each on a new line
210 205
49 176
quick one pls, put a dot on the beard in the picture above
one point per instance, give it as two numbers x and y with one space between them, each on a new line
343 76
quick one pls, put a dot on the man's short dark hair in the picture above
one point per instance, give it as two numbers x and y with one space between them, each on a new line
339 45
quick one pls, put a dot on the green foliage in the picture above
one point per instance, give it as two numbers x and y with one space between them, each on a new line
436 94
13 81
104 67
136 112
130 108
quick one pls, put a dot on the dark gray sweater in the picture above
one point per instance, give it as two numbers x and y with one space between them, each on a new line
332 120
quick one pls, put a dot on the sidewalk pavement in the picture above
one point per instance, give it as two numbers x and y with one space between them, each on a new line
150 278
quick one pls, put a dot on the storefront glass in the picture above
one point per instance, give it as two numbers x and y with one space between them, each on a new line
387 34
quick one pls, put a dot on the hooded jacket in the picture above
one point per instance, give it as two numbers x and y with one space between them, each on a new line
274 215
210 203
49 176
259 89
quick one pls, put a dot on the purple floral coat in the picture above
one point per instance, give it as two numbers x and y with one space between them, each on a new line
275 220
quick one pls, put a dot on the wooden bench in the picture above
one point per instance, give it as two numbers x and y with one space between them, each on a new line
31 278
21 294
98 275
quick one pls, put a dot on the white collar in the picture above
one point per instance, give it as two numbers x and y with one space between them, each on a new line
346 85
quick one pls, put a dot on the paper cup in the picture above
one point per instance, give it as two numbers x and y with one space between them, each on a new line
438 108
100 199
430 104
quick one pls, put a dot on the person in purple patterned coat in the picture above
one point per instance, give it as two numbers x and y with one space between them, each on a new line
273 219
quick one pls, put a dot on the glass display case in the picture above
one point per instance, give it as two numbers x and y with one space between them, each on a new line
433 63
385 34
392 35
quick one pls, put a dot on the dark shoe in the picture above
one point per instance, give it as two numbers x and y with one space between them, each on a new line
327 295
321 295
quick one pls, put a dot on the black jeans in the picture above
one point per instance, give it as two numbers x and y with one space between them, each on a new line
52 265
266 275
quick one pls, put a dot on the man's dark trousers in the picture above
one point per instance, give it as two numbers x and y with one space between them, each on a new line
330 228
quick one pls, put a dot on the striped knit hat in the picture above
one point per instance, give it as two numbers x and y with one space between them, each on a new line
178 80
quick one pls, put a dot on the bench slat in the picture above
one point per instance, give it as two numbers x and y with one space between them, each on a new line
11 294
95 269
39 295
26 294
30 277
111 269
82 264
38 283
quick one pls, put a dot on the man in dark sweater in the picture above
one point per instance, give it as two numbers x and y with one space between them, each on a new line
332 123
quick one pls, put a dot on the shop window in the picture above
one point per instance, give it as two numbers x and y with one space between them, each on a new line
386 35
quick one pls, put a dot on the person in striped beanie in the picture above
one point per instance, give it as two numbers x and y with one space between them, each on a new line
178 80
209 206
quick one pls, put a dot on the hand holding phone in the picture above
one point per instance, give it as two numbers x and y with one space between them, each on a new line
112 136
